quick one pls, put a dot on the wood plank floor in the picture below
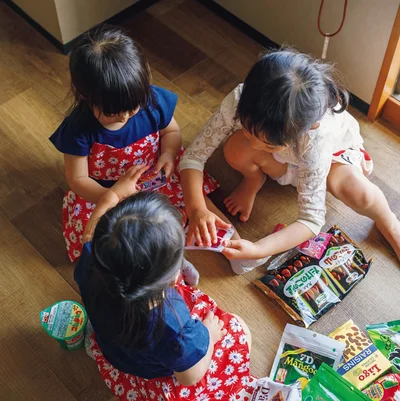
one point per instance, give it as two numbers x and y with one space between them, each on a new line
201 58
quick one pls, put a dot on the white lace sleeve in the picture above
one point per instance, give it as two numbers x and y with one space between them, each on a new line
216 131
315 158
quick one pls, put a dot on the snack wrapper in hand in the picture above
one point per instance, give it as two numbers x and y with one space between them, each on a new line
268 390
327 385
386 337
384 389
363 362
300 354
222 235
307 287
150 180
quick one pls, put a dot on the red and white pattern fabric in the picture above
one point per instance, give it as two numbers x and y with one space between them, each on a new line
228 377
109 163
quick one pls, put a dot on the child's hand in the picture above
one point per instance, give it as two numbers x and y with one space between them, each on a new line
127 184
203 227
241 249
215 327
167 162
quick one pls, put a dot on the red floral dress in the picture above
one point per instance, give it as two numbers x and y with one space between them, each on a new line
109 163
228 377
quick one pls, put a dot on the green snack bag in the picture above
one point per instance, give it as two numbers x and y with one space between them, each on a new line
327 385
300 354
386 337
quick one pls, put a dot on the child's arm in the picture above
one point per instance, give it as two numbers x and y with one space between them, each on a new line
287 238
122 189
218 128
77 174
193 375
171 142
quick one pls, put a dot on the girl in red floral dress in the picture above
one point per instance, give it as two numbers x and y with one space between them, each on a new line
155 338
119 120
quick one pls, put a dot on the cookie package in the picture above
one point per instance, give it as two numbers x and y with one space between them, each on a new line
307 287
363 363
301 352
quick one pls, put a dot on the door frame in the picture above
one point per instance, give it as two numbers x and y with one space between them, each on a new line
387 76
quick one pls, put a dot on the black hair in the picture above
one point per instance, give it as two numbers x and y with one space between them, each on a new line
285 94
109 71
137 252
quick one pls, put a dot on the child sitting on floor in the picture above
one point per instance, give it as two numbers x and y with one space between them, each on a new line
154 337
287 121
119 120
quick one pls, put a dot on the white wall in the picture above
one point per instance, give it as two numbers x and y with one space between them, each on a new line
44 13
358 49
77 16
67 19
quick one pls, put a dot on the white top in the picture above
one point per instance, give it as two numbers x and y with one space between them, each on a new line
312 155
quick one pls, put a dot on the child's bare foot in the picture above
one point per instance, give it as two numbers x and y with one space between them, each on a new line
392 234
241 200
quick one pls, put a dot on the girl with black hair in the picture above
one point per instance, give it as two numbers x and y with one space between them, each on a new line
287 121
118 120
154 337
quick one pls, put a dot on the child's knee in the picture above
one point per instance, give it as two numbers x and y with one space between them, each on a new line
358 193
237 153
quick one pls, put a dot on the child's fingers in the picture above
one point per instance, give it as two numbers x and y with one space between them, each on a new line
231 253
213 231
137 171
221 223
197 237
205 234
168 168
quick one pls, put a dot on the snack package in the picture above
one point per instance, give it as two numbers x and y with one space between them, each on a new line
268 390
327 385
150 180
344 261
386 337
315 247
384 389
363 362
307 287
221 236
301 352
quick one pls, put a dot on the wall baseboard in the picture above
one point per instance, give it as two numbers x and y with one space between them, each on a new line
266 42
67 47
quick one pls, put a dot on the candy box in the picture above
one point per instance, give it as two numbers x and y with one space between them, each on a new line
363 362
268 390
149 181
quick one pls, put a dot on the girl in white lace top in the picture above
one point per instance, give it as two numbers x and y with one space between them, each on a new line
287 121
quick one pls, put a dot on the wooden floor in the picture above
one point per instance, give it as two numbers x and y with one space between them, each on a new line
201 58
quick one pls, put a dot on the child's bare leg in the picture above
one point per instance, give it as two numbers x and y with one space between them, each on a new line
254 165
355 190
240 156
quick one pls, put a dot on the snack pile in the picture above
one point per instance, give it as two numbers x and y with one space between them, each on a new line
346 366
307 281
308 287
